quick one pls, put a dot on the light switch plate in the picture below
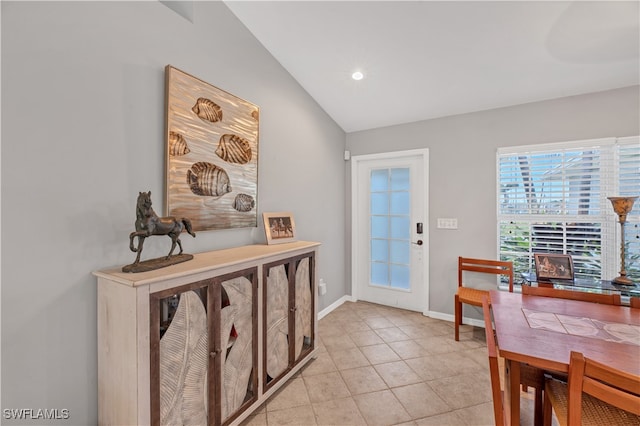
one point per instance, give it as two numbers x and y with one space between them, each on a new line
447 223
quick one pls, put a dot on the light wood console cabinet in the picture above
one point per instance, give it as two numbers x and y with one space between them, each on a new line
205 341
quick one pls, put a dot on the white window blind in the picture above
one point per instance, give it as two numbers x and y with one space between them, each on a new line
553 198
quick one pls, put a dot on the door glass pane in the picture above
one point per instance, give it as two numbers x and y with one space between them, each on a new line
400 277
399 251
380 273
379 226
379 250
379 180
400 179
380 203
390 222
400 227
400 202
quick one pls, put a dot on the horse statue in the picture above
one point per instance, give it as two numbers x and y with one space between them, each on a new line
148 223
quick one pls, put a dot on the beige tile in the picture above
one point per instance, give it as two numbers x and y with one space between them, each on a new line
450 418
330 330
349 358
342 411
408 349
381 408
464 390
378 354
397 373
399 319
433 379
392 334
429 367
353 326
292 416
323 387
378 322
294 394
439 344
362 380
337 343
481 414
415 331
420 400
257 419
323 363
365 338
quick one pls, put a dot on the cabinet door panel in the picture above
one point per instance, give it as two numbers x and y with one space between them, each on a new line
303 307
289 314
239 340
179 324
277 321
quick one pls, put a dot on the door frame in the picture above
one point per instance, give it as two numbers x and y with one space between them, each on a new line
356 160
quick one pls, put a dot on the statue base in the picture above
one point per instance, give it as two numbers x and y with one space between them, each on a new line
160 262
622 280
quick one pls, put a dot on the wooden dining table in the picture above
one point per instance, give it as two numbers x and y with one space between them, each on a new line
542 332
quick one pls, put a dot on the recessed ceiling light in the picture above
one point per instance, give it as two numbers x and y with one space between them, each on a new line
357 75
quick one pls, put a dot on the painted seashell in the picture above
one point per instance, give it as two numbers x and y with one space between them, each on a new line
207 110
177 144
207 179
234 149
244 203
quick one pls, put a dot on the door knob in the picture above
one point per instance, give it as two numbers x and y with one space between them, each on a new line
419 243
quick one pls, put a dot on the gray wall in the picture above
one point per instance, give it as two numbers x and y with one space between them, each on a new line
462 170
83 132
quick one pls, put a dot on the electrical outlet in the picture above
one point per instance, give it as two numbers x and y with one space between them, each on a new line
322 287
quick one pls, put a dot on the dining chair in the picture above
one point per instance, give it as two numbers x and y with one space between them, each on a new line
595 394
529 376
473 296
607 299
634 302
496 392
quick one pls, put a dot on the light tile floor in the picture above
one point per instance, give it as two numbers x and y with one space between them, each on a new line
385 366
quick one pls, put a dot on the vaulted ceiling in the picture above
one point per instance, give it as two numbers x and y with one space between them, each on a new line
428 59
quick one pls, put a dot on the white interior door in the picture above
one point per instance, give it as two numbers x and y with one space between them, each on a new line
389 229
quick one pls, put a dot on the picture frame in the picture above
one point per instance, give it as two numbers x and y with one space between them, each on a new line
279 227
211 154
553 266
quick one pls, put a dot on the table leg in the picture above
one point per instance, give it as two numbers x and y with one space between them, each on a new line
512 392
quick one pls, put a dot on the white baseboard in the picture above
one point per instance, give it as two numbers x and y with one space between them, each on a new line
451 318
431 314
326 311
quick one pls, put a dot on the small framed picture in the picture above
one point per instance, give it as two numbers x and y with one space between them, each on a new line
279 227
553 266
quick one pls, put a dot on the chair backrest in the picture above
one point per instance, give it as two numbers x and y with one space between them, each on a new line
485 266
615 387
494 369
634 302
607 299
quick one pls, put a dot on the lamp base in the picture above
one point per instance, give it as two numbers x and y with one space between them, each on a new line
622 281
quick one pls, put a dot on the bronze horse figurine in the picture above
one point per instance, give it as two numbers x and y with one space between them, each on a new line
148 223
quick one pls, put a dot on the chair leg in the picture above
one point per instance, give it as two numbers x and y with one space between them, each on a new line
538 413
458 316
546 411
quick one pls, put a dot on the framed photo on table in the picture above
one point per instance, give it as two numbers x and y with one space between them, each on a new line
279 227
553 266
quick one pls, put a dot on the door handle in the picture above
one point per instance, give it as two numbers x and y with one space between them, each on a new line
419 242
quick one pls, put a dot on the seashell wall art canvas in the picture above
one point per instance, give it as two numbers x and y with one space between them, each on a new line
211 154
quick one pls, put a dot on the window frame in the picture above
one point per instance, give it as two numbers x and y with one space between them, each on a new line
610 153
